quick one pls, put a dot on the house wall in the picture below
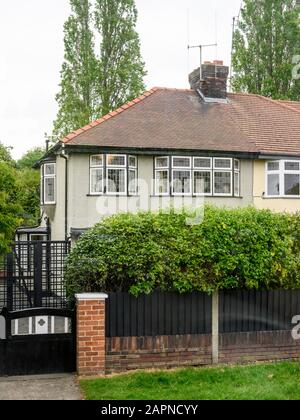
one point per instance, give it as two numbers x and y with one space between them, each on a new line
56 213
85 210
259 187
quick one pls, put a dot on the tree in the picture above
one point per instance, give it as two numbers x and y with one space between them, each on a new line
10 209
121 68
77 98
28 160
264 45
5 155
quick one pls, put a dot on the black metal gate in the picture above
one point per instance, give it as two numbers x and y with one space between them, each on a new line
37 341
31 275
37 331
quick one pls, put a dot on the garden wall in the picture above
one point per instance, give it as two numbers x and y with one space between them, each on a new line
167 330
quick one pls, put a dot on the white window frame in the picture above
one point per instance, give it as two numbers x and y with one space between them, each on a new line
175 194
118 167
225 170
161 169
92 169
237 171
45 177
182 169
281 172
231 183
203 168
134 169
211 183
157 192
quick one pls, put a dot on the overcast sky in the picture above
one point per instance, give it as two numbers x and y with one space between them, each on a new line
31 54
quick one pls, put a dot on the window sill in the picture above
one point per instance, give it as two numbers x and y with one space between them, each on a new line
282 197
197 196
112 195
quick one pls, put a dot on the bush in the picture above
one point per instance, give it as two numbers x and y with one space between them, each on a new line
230 249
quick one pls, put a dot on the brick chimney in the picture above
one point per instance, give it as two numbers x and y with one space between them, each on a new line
214 79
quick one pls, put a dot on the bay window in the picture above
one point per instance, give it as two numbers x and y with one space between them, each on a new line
48 183
198 176
283 179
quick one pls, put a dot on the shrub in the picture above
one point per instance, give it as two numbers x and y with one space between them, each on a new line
241 248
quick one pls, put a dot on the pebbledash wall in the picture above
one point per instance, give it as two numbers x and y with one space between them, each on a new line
118 333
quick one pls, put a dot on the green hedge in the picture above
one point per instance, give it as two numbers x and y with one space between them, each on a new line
230 249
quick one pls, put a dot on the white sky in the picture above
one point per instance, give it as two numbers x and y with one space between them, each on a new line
31 54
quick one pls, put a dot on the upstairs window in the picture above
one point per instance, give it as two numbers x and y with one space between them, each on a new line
113 174
283 179
198 176
96 175
48 183
116 176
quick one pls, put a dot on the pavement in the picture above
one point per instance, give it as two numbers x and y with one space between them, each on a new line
44 387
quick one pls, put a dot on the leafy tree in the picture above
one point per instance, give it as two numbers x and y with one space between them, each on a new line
5 155
121 65
265 42
10 209
30 158
29 199
77 98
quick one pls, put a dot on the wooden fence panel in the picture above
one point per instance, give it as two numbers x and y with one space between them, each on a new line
248 311
158 314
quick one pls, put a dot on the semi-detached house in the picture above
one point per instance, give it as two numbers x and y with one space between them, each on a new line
230 149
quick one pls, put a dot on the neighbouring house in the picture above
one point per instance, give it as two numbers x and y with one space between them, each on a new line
229 149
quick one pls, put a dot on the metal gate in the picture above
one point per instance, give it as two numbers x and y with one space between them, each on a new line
31 275
37 341
37 331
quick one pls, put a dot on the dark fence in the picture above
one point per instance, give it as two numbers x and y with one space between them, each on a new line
31 275
247 311
158 314
175 314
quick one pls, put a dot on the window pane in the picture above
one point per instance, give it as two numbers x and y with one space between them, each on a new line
96 181
273 166
132 188
116 160
292 166
202 163
49 190
273 184
181 162
223 163
291 184
116 180
132 161
222 183
202 182
162 162
182 182
162 182
237 184
97 160
50 169
236 164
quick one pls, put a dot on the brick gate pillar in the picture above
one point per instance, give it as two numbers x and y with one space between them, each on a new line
90 334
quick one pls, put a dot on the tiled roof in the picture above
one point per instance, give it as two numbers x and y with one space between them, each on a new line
178 119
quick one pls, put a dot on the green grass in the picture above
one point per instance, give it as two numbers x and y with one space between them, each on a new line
280 381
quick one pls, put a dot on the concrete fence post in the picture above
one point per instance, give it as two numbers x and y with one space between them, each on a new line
90 334
215 328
